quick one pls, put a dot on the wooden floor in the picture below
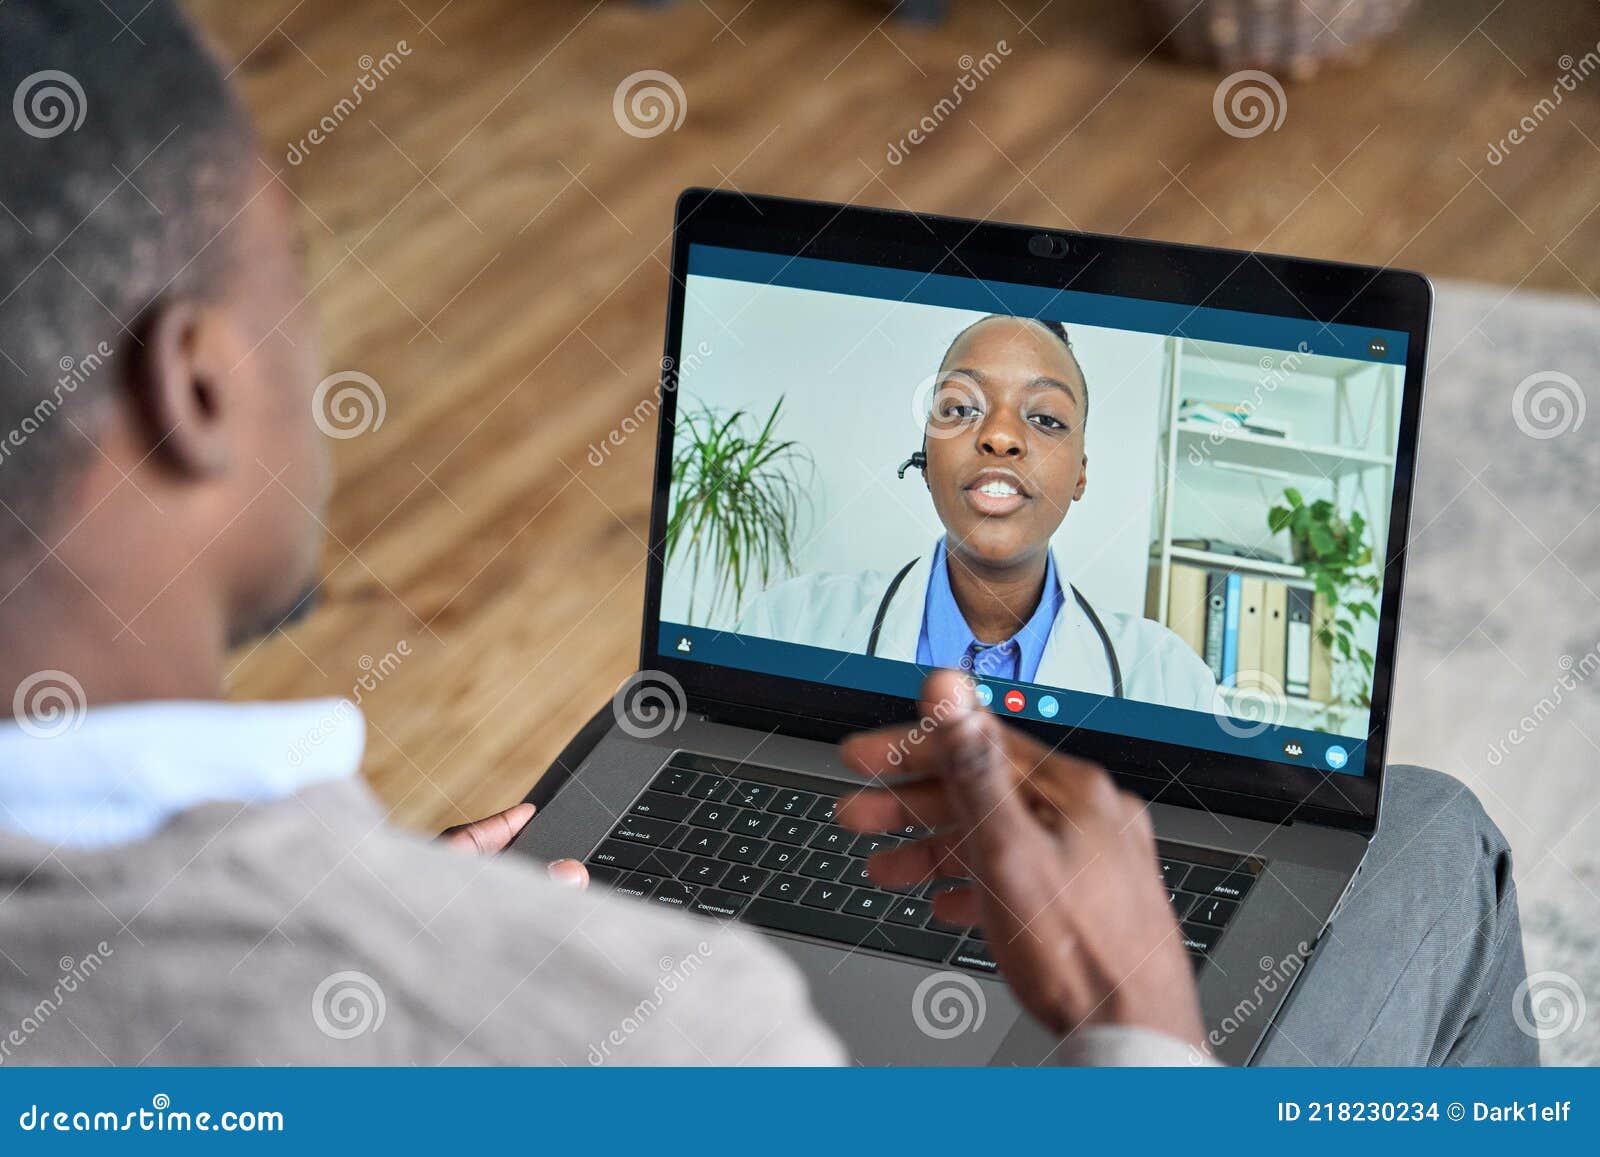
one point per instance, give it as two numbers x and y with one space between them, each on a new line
489 247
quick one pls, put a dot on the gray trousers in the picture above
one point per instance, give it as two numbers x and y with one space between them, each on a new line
1421 967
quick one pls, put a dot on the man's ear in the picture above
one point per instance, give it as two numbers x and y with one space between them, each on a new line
177 381
1083 479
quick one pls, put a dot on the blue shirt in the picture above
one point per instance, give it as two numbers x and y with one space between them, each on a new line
947 641
110 775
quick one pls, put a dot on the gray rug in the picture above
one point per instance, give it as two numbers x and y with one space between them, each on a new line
1501 626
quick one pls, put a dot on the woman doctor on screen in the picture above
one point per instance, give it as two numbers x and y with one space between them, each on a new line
1003 459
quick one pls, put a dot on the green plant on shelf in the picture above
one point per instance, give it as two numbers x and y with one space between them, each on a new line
737 501
1333 551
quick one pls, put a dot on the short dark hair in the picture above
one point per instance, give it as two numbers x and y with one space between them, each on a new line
126 154
1054 327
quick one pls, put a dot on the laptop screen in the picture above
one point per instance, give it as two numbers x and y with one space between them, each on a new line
1155 520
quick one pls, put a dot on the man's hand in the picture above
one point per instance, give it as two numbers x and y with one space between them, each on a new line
491 836
1065 883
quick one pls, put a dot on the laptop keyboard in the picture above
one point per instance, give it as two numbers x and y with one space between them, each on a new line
734 841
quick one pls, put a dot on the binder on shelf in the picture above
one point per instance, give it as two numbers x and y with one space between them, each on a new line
1275 630
1186 605
1216 618
1252 594
1321 682
1297 643
1230 630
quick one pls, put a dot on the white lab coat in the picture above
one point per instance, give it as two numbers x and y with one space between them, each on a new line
836 611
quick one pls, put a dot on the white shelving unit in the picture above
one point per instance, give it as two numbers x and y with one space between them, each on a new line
1353 468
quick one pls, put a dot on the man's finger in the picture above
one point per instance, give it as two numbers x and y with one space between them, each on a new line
910 863
923 804
490 835
568 872
893 752
973 765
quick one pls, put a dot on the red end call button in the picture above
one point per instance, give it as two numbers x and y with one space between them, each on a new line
1015 700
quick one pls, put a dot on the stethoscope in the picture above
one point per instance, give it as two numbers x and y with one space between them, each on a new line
919 461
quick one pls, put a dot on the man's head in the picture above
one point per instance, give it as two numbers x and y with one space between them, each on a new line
1005 439
156 362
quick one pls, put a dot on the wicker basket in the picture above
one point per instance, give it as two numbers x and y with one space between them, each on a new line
1293 38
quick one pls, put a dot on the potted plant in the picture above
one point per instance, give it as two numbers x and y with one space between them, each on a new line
737 498
1337 559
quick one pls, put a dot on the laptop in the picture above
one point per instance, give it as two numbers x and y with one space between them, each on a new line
833 379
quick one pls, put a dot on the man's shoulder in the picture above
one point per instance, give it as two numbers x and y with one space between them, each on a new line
308 930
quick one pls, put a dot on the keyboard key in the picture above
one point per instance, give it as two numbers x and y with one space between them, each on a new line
789 888
912 913
703 871
793 831
832 838
712 815
722 905
823 866
632 857
1173 872
791 803
974 954
942 884
663 807
1233 886
744 851
674 894
747 880
852 930
1218 881
855 874
1181 903
867 903
866 845
674 780
600 874
644 830
781 857
711 787
1214 910
756 795
752 824
825 894
912 832
638 884
822 810
1199 937
699 842
937 925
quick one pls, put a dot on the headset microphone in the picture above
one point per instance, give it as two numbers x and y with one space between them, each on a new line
917 461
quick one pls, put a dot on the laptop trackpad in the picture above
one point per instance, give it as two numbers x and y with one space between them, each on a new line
892 1013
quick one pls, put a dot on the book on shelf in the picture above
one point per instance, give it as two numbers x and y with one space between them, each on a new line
1233 415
